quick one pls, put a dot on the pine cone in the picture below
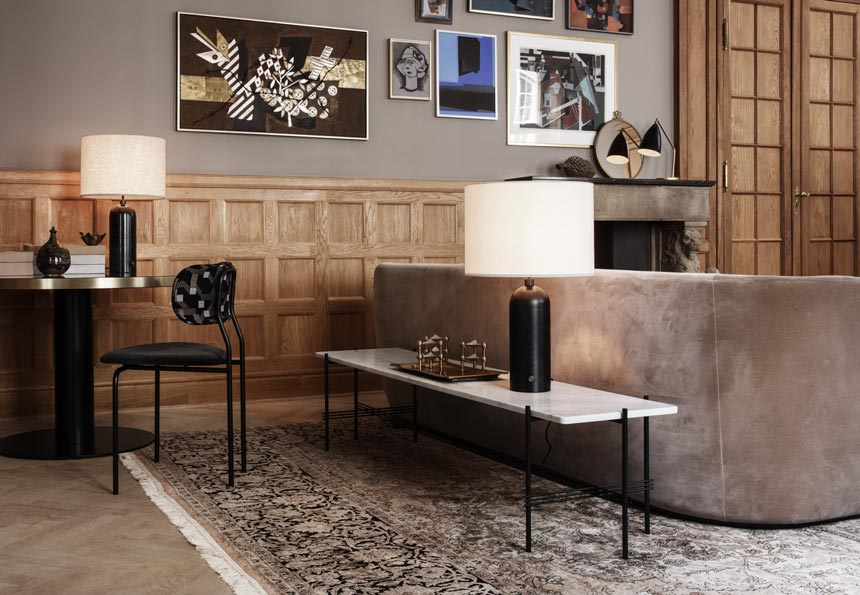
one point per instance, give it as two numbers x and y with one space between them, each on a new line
577 167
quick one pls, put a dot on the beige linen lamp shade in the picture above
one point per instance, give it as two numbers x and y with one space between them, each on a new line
126 165
530 229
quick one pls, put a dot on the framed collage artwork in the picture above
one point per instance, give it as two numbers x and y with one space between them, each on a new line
561 90
263 77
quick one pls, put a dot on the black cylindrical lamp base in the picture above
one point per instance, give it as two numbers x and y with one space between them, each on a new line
123 242
530 340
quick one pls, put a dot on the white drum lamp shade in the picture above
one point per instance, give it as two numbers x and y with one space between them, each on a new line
122 165
530 229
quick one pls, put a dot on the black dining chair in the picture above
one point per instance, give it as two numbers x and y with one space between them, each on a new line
203 294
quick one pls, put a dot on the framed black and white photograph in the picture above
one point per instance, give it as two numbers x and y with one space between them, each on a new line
529 9
561 90
410 69
466 75
609 16
264 77
434 11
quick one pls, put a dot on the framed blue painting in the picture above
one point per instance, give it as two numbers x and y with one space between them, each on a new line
466 75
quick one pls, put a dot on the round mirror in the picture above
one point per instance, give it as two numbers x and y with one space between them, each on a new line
609 149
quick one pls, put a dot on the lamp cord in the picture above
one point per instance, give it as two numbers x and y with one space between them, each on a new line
548 444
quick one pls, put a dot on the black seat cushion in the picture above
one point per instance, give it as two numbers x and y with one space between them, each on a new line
167 354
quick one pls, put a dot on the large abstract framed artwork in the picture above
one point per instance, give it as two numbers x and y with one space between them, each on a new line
561 90
466 75
263 77
410 69
531 9
610 16
434 11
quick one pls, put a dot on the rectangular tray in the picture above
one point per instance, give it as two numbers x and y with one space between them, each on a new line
451 372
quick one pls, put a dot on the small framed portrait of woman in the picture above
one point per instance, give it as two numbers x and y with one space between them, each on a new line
410 70
433 11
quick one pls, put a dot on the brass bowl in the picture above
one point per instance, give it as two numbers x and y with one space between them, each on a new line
92 239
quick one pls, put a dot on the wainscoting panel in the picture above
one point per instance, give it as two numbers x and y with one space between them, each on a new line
305 250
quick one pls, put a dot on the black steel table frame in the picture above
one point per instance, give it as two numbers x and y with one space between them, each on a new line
531 500
624 489
362 410
75 435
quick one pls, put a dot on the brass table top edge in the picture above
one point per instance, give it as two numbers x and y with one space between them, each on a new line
61 283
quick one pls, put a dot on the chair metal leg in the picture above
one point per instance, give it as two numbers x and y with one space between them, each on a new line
243 430
115 428
157 414
230 470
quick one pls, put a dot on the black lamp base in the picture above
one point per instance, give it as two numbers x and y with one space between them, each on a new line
123 241
530 339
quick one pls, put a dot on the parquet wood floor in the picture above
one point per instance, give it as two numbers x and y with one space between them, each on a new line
63 532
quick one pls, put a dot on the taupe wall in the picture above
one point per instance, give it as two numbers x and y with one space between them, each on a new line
75 67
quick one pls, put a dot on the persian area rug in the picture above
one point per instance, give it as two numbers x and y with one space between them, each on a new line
384 515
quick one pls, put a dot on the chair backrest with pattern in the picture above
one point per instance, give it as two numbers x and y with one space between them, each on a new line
202 291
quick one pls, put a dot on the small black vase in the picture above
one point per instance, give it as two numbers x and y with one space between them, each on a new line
52 259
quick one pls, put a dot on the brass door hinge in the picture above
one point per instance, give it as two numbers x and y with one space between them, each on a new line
726 175
725 33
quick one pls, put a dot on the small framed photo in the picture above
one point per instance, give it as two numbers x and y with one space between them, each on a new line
529 9
609 16
561 90
410 69
466 75
433 11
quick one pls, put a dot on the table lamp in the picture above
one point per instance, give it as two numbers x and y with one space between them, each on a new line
128 167
530 229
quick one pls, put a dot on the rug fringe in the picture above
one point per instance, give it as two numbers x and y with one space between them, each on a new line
230 572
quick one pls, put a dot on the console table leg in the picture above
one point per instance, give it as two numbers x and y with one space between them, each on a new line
325 414
624 481
528 498
414 413
647 474
355 404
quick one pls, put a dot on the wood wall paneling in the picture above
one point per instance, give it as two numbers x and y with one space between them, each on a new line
305 250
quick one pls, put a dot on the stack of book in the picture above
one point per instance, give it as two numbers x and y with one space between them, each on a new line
87 261
16 264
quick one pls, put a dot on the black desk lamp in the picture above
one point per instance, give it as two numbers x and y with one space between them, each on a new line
652 144
528 230
128 167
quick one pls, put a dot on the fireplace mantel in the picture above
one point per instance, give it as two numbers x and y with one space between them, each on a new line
648 224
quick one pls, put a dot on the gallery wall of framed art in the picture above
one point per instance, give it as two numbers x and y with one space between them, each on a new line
135 86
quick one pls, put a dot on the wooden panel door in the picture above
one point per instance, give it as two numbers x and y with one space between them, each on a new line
755 139
825 205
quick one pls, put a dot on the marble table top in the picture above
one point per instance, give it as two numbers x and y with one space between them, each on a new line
564 404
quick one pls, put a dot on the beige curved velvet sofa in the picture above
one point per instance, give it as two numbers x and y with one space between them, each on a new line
765 372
